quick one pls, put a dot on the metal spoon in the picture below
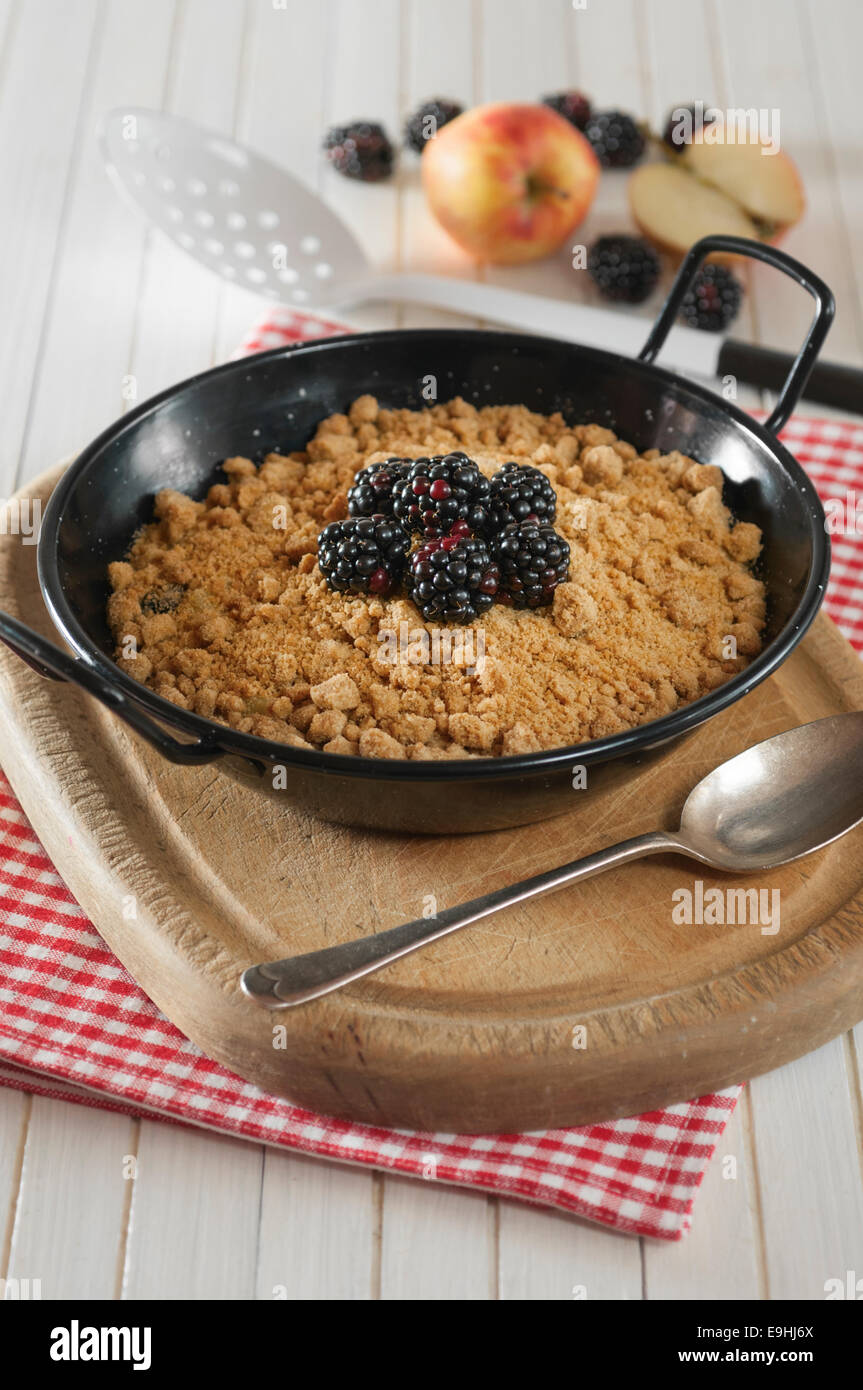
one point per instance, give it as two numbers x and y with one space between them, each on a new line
780 799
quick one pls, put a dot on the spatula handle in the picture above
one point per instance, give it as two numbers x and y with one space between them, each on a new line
556 318
299 979
685 350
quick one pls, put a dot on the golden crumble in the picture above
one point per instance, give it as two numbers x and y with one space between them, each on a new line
229 615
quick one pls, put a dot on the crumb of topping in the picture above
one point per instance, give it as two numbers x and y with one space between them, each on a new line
602 464
574 610
374 743
472 732
744 542
326 725
518 739
339 692
702 475
340 745
709 511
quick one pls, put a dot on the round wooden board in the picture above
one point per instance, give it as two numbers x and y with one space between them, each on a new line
476 1033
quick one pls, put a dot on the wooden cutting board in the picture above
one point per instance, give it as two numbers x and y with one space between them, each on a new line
484 1030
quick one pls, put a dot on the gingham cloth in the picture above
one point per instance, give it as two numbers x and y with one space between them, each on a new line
75 1025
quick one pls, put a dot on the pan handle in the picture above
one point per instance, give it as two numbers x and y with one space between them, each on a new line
825 308
50 661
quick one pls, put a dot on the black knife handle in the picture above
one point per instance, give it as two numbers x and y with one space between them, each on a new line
829 383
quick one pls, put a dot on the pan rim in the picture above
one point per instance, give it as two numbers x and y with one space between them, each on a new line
641 738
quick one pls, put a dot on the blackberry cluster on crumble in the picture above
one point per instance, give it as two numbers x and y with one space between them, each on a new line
476 540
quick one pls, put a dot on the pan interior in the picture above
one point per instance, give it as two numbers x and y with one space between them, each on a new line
276 400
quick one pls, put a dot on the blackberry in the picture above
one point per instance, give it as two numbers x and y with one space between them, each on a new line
573 106
533 560
453 579
361 150
676 127
616 139
363 555
427 120
624 268
371 493
437 492
712 300
520 493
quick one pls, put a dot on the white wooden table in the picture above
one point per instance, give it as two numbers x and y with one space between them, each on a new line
88 299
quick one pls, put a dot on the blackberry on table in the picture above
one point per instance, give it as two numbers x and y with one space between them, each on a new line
454 578
624 268
616 139
533 560
363 555
520 493
437 492
573 106
712 300
424 123
361 150
371 493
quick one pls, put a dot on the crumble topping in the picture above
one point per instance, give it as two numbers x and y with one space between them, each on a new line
220 606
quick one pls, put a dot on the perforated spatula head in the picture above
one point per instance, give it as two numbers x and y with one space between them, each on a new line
232 210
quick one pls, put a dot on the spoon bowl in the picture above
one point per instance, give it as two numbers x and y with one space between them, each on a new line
780 799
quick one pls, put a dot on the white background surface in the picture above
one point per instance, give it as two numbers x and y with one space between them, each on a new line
88 297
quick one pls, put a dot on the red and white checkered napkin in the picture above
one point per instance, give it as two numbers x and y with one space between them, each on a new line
74 1024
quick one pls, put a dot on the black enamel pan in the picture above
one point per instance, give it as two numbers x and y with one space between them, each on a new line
275 401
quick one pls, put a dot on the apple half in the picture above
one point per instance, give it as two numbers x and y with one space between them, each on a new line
716 188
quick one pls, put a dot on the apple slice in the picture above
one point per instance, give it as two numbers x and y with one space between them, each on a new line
766 186
673 209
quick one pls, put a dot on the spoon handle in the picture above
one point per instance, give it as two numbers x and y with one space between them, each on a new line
298 979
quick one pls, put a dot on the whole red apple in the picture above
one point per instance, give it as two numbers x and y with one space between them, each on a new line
509 182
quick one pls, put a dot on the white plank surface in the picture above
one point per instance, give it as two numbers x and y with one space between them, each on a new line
15 1108
71 1202
827 1214
545 1256
721 1256
90 297
89 318
832 36
319 1231
177 314
47 60
193 1223
437 1242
